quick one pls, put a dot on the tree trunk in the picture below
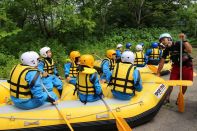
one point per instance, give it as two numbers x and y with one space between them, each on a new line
48 33
140 12
21 23
38 17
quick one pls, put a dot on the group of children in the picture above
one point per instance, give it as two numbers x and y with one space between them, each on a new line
27 80
117 70
151 56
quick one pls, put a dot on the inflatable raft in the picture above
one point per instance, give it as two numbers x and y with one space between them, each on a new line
91 116
165 71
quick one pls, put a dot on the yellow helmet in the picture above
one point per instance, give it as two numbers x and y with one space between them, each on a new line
74 54
110 53
87 60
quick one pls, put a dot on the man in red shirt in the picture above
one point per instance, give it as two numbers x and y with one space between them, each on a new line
173 49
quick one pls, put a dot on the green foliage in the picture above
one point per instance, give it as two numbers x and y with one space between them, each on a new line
90 26
136 36
24 41
188 19
7 62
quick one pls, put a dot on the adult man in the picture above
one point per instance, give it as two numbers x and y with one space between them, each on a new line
173 49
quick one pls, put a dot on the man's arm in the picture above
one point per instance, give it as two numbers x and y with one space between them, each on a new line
188 47
161 63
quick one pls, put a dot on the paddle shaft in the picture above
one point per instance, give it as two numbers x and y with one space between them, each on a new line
67 122
4 86
181 97
181 62
97 56
119 122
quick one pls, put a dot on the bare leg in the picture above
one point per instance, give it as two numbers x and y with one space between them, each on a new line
184 88
168 96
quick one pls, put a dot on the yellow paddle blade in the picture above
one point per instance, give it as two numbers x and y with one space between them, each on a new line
122 125
152 68
172 82
181 106
178 82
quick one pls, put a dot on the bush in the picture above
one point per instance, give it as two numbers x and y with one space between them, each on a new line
11 47
7 62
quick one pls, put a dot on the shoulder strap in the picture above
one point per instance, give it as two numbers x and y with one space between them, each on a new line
34 79
94 78
138 80
116 74
104 60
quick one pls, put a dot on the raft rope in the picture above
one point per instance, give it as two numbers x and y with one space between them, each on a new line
117 109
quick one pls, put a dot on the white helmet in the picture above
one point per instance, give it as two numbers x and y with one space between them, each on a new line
165 35
139 47
30 58
43 51
119 46
128 56
35 54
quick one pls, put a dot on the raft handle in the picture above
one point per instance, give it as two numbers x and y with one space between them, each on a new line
26 123
141 103
102 116
12 118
